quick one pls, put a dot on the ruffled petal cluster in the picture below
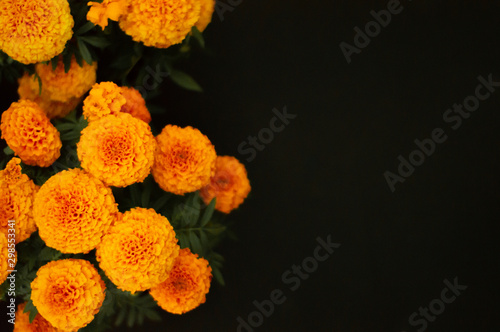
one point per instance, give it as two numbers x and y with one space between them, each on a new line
34 30
30 134
184 161
68 293
186 286
206 11
135 105
29 88
17 195
73 210
61 86
160 23
5 255
39 324
99 13
139 250
104 99
230 185
118 149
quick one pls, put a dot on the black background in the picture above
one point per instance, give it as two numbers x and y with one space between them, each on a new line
323 174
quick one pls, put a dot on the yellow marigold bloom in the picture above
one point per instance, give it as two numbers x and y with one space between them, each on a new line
61 86
73 210
118 149
68 293
206 11
184 161
6 259
104 99
39 324
186 286
160 23
30 134
139 251
34 30
229 185
135 105
30 89
17 194
99 13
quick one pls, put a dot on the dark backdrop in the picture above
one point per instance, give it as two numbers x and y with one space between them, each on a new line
323 175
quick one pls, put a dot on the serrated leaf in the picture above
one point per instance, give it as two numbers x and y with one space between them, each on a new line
146 193
84 51
8 151
131 317
70 135
67 60
31 309
96 41
198 36
64 126
55 62
152 315
209 211
121 317
218 276
160 202
195 243
185 81
85 28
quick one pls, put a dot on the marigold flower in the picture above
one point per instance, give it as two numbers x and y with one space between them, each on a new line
118 149
34 30
160 23
206 11
6 261
17 194
61 86
229 185
39 324
73 210
104 99
186 286
30 134
30 89
139 250
99 13
135 105
184 161
68 293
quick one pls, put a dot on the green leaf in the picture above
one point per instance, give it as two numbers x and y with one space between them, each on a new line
185 81
85 28
198 36
160 202
8 151
131 318
121 316
64 126
209 211
146 193
67 60
31 309
195 243
218 276
55 62
96 41
84 51
70 135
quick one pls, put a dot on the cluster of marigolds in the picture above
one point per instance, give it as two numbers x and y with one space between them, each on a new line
74 211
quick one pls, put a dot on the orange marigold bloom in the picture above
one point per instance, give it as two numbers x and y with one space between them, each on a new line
34 30
73 210
118 149
39 324
30 134
139 250
104 99
17 194
135 105
61 86
160 23
99 13
186 286
184 161
206 11
229 185
6 258
68 293
30 89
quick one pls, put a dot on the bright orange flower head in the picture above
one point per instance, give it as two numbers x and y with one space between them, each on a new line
39 324
118 149
73 210
206 11
144 23
139 250
17 193
229 185
104 99
29 88
135 105
6 258
186 286
184 161
99 13
61 86
30 134
68 293
34 30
